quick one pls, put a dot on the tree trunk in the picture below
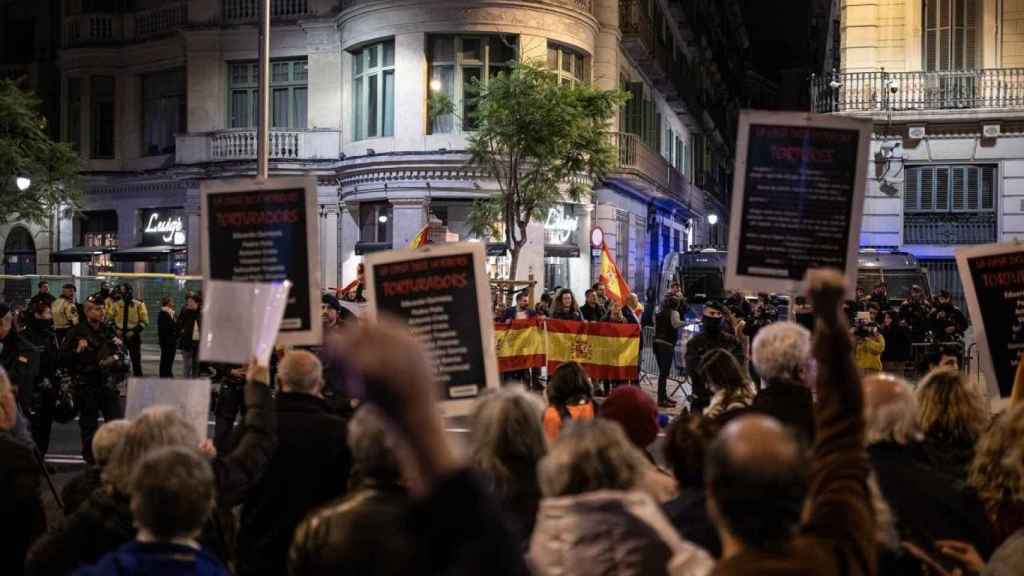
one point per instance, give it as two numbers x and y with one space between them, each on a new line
515 262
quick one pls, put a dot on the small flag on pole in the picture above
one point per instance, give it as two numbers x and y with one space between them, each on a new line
615 286
421 239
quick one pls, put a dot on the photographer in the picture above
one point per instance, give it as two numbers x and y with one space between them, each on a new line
93 355
130 318
868 344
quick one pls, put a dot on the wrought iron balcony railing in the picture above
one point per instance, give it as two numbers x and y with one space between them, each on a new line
905 91
636 159
949 228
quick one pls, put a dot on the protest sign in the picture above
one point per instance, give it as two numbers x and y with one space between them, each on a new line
441 292
267 231
798 195
192 397
993 281
241 321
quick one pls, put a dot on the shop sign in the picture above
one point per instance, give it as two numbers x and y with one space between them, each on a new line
163 229
561 225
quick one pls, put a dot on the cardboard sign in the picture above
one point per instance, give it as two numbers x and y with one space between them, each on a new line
442 293
241 321
993 281
191 397
267 231
798 196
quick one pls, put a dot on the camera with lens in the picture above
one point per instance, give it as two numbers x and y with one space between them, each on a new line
865 328
117 363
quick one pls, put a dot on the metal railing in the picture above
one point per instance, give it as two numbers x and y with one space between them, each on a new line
948 229
896 91
635 158
635 21
241 145
93 28
248 10
160 20
582 5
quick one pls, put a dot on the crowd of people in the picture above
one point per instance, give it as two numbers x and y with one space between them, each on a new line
822 468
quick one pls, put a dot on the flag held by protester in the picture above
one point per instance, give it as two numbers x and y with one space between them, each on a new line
520 344
422 238
604 350
615 286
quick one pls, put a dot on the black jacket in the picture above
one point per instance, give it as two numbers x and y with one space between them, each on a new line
310 467
78 490
21 505
928 505
100 347
949 456
703 343
897 343
21 359
167 330
186 325
689 514
104 522
790 403
595 313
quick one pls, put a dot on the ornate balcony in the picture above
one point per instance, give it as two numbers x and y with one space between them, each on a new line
997 88
581 5
949 228
241 144
636 160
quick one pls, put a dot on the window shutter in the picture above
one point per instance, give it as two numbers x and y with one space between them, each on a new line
910 189
931 34
972 189
958 186
927 188
988 187
942 189
970 48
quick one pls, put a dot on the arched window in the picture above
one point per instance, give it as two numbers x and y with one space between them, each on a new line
19 252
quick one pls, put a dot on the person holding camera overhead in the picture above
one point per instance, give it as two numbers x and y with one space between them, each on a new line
93 355
868 343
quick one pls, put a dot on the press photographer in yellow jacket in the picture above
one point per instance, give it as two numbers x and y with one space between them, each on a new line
129 326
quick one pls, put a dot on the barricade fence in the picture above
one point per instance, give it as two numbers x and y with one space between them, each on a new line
151 289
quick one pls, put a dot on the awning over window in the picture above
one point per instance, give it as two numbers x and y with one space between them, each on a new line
78 254
145 253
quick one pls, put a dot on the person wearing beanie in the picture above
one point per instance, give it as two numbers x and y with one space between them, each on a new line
635 411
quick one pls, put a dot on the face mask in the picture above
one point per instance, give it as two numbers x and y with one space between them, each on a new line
712 325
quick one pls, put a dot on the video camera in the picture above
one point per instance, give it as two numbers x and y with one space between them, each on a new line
864 326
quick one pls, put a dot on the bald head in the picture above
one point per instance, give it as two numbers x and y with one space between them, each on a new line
756 475
300 372
890 409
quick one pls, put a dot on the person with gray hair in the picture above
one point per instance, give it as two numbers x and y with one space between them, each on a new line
20 498
506 446
310 467
78 489
105 521
927 504
593 519
781 353
345 535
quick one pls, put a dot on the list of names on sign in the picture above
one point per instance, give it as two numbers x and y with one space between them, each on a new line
998 281
798 198
260 236
437 298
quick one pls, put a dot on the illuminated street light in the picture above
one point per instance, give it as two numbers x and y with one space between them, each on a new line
383 218
435 85
712 219
23 183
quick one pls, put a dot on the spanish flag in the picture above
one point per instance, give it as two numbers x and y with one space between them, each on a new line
605 350
421 239
520 344
615 286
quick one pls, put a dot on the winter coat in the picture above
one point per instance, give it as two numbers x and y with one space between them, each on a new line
928 505
167 329
868 352
790 403
156 559
78 490
187 321
624 533
21 504
310 467
950 456
104 522
689 514
553 419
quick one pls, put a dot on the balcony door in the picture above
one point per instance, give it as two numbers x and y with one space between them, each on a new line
951 50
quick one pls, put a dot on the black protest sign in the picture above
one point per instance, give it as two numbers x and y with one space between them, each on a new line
266 231
993 280
797 199
442 294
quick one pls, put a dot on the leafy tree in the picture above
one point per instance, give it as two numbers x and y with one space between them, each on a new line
26 150
539 139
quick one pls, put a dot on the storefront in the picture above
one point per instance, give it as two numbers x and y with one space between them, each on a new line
97 238
562 254
163 246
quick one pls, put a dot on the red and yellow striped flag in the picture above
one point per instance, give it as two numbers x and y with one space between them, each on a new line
520 344
606 351
422 238
615 286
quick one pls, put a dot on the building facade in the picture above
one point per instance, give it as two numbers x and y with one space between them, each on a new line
943 81
163 96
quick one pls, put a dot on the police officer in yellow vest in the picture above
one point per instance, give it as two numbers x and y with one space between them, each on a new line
65 312
129 326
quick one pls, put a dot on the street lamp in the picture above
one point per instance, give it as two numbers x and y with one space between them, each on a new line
23 183
712 219
383 218
435 85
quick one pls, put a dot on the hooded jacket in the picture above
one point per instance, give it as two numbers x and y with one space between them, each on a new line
592 533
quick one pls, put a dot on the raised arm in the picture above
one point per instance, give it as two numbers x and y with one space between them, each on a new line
238 470
839 496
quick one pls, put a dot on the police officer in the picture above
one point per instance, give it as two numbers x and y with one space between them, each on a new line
65 311
914 313
89 351
711 336
21 361
130 318
38 330
948 323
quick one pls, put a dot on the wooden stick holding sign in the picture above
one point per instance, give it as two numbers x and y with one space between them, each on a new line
798 197
441 292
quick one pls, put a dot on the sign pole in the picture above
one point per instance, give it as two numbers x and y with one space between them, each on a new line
263 130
